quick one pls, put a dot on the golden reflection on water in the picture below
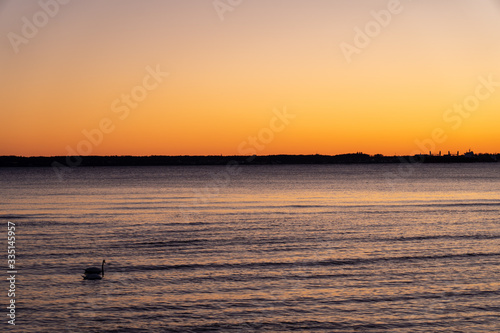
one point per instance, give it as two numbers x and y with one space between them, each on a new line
327 248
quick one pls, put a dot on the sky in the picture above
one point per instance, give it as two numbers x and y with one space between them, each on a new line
238 77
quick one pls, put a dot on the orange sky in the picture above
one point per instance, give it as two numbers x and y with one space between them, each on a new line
68 69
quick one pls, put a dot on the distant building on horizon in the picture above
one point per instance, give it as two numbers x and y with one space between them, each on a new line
470 153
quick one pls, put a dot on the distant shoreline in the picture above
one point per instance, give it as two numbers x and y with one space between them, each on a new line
160 160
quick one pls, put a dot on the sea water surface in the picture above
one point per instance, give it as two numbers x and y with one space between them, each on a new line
333 248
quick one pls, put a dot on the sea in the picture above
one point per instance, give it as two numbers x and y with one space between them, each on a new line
271 248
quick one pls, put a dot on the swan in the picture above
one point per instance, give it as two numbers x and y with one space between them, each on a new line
94 273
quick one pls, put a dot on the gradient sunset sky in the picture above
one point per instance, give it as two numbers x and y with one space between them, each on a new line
232 67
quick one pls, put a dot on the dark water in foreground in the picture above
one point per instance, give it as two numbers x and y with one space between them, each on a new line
272 248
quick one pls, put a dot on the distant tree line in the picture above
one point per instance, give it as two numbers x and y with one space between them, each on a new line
357 158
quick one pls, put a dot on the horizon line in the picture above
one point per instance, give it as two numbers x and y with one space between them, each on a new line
258 155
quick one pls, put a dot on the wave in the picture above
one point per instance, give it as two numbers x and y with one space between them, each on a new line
292 242
329 262
419 238
414 238
16 216
346 325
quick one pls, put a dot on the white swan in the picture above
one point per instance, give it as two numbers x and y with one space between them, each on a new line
94 273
